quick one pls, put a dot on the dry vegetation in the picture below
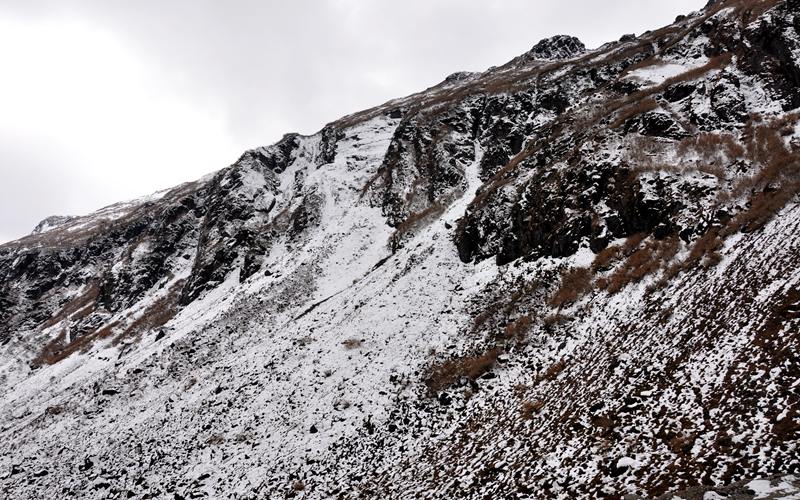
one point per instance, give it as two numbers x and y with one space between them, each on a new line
606 258
531 408
628 263
554 370
615 105
350 344
776 180
156 315
635 109
711 153
443 374
77 308
574 284
648 259
712 148
555 319
637 101
59 349
413 221
518 329
485 315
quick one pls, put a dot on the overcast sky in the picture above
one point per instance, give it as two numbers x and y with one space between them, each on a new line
107 100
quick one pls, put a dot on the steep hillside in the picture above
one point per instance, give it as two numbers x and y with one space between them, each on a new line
572 275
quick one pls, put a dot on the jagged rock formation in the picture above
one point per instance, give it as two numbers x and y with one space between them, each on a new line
573 275
557 48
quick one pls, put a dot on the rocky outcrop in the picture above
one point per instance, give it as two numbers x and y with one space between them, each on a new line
567 178
557 48
50 223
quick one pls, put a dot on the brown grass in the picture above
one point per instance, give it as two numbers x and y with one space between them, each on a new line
706 249
155 316
485 315
554 370
713 150
555 319
712 147
600 112
518 329
530 408
704 252
158 314
765 147
606 258
642 261
632 243
350 344
57 350
445 373
635 109
574 284
617 104
607 109
77 308
414 220
775 183
761 209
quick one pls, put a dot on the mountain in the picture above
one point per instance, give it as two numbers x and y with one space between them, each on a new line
572 275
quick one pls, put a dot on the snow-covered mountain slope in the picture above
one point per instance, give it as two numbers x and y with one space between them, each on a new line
573 275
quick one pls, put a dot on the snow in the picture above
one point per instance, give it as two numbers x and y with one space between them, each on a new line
46 227
628 462
335 331
339 255
785 488
658 73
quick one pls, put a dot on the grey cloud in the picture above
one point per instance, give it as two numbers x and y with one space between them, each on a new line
278 66
33 187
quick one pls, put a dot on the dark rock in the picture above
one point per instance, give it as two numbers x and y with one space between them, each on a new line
275 158
556 48
86 465
679 91
459 76
615 471
50 222
656 124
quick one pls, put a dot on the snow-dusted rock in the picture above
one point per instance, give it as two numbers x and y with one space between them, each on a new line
573 275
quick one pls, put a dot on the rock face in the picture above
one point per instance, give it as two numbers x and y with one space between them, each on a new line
557 48
572 275
50 223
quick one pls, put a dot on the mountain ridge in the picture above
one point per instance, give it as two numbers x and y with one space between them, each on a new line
556 278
